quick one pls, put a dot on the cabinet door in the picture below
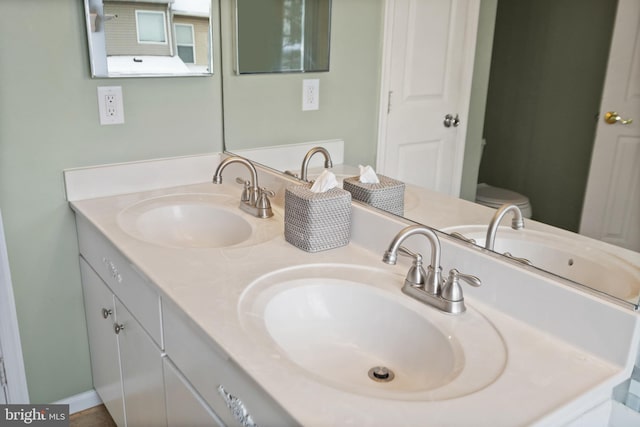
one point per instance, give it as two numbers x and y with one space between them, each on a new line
142 379
103 342
227 389
184 406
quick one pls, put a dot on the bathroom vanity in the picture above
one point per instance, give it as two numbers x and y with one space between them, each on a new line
190 323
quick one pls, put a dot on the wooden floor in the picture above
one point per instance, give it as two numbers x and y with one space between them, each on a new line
92 417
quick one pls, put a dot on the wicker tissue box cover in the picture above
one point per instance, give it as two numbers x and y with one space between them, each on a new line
387 195
316 222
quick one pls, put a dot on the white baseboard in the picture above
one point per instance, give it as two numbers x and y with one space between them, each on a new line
81 401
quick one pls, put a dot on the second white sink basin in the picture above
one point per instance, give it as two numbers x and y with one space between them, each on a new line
582 263
194 221
350 327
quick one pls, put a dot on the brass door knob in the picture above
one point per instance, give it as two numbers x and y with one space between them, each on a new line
611 118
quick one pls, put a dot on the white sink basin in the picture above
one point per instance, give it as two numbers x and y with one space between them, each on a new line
564 257
193 221
335 323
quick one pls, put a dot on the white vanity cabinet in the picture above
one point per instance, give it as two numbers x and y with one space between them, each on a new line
126 364
145 378
123 321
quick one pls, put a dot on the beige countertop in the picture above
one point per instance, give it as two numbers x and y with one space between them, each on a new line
545 379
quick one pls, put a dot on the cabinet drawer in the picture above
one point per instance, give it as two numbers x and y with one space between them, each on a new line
208 369
124 281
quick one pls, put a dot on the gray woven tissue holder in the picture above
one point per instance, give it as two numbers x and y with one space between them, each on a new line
387 195
316 222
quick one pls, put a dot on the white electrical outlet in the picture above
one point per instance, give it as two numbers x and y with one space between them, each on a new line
110 105
310 94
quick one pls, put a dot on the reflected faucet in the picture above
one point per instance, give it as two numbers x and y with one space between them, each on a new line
305 162
254 200
429 288
517 223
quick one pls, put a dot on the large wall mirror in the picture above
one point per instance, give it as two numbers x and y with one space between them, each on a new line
264 110
282 36
150 38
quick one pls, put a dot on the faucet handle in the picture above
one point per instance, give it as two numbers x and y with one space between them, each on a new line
416 276
246 193
264 192
515 258
263 204
460 236
406 252
452 291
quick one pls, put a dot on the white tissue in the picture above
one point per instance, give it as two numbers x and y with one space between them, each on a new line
325 182
368 175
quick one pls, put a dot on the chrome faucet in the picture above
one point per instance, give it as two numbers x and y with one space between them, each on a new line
305 162
430 282
517 223
254 200
429 287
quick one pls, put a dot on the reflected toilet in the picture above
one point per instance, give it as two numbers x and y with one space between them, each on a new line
494 197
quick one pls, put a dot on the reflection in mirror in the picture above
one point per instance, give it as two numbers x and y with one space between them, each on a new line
275 36
149 38
582 256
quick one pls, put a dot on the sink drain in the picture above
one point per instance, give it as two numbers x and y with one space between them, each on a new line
381 374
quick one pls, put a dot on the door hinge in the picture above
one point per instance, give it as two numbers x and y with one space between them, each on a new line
389 102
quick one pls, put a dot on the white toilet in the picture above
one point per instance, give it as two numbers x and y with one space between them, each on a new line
494 197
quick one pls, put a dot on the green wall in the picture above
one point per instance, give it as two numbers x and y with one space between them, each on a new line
349 92
49 122
548 65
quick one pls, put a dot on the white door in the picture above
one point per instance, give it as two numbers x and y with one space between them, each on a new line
611 210
428 66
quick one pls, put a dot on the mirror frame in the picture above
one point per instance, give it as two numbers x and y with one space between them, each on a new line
98 56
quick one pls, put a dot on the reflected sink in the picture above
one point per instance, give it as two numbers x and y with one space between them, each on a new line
336 323
564 257
193 221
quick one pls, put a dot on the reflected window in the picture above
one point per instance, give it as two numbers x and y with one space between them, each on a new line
185 43
274 36
292 35
151 27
